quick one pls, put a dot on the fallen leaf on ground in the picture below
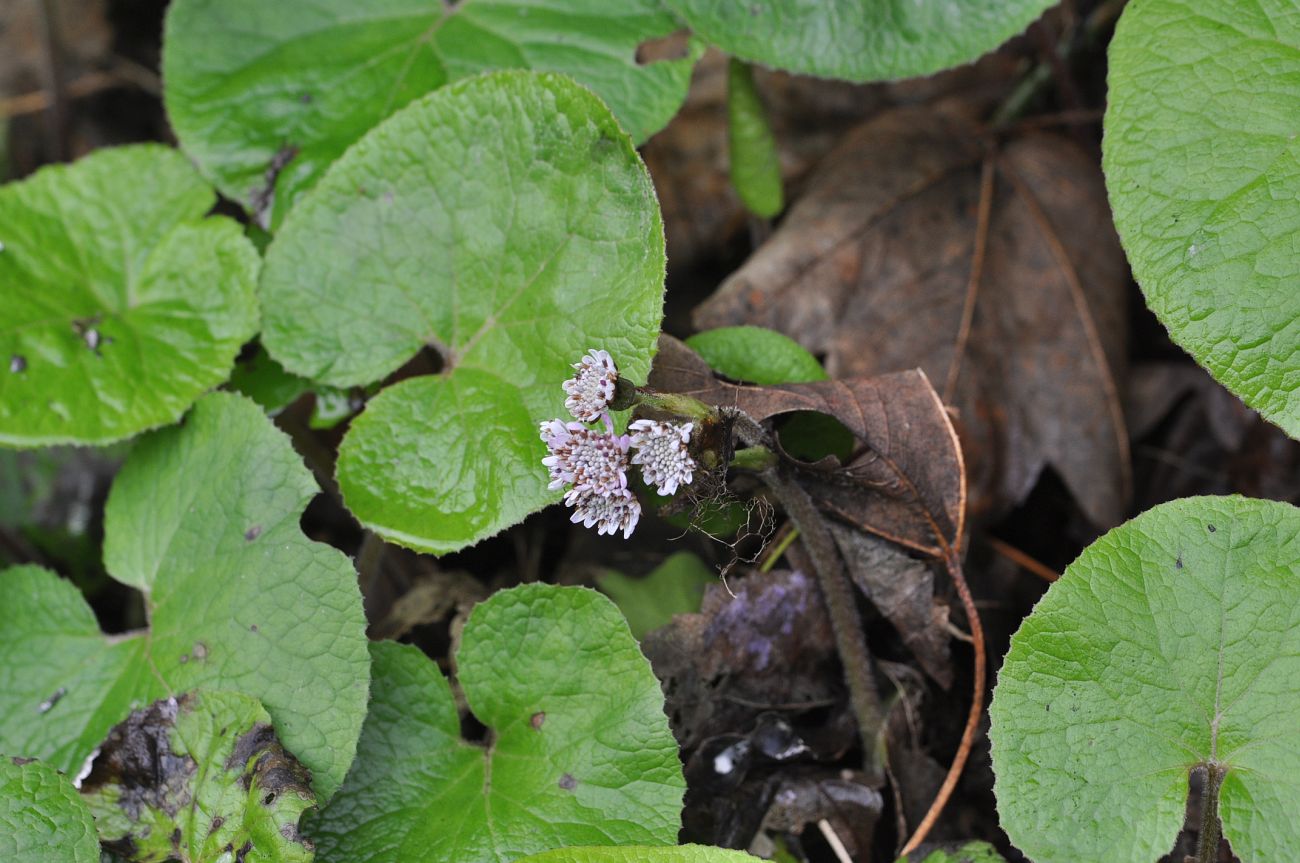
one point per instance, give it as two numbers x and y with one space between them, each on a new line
1005 283
906 485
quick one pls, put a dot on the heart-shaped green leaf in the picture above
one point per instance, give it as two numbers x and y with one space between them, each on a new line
679 854
1171 644
1202 160
505 220
200 778
578 749
266 95
121 303
41 816
858 40
203 519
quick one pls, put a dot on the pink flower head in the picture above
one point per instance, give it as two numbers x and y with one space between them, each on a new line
591 460
661 452
592 388
609 513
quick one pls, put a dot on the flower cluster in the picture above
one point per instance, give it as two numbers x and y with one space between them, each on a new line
593 463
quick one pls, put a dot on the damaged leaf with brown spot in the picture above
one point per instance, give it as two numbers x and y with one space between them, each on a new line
199 778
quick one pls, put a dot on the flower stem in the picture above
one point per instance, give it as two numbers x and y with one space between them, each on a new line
850 639
676 404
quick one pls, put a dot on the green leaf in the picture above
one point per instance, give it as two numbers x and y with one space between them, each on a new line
551 246
266 382
1202 161
265 96
41 816
676 586
1172 642
755 164
196 776
756 355
122 303
579 753
204 519
964 852
679 854
761 356
858 40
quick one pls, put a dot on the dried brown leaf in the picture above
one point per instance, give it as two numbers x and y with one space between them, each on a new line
996 272
906 483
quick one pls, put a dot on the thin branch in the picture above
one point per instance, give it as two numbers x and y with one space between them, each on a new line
55 114
833 839
976 274
1024 561
953 565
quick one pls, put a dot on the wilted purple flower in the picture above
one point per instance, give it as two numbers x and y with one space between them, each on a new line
592 388
592 460
610 512
661 452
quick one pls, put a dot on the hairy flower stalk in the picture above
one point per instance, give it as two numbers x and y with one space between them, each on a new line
592 388
661 452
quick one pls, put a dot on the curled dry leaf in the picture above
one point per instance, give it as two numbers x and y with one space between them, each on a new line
997 272
906 483
902 588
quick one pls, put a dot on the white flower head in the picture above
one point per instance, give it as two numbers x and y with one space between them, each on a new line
609 513
592 460
661 452
592 388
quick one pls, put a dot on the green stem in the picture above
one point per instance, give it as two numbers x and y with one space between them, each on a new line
781 548
1207 844
757 458
675 403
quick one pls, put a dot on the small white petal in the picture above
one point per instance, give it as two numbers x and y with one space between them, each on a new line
661 451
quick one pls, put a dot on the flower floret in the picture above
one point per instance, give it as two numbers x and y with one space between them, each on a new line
589 459
661 451
591 389
609 512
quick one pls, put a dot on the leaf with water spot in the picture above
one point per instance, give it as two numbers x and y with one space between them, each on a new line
41 816
578 750
1171 645
200 778
122 303
265 96
1202 161
550 246
204 520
